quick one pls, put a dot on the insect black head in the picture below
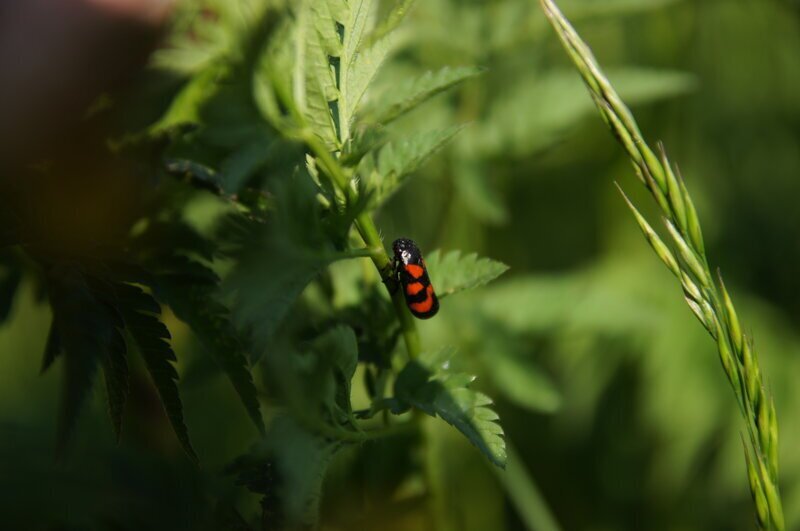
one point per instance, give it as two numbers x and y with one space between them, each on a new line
406 250
401 244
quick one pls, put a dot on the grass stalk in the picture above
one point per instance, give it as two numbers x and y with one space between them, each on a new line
685 257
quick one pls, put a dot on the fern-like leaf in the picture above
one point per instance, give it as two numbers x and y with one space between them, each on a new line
386 171
141 314
314 81
406 96
360 60
454 272
429 385
361 73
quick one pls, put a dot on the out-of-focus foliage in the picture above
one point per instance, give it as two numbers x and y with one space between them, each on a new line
472 135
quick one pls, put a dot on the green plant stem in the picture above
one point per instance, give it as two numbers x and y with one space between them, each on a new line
372 238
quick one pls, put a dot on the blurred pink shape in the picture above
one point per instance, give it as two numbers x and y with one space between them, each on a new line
152 11
57 56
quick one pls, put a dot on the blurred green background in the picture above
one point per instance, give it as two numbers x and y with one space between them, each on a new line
609 391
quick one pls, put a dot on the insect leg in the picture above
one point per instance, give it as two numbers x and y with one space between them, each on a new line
389 276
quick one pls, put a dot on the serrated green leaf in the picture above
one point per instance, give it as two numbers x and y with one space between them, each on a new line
454 272
386 171
398 159
361 72
193 303
429 385
314 81
406 96
329 62
360 17
359 63
325 21
152 337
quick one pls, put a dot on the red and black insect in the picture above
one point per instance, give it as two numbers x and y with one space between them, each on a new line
410 271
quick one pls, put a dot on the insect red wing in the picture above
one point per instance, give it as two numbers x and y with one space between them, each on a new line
413 288
426 308
415 270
